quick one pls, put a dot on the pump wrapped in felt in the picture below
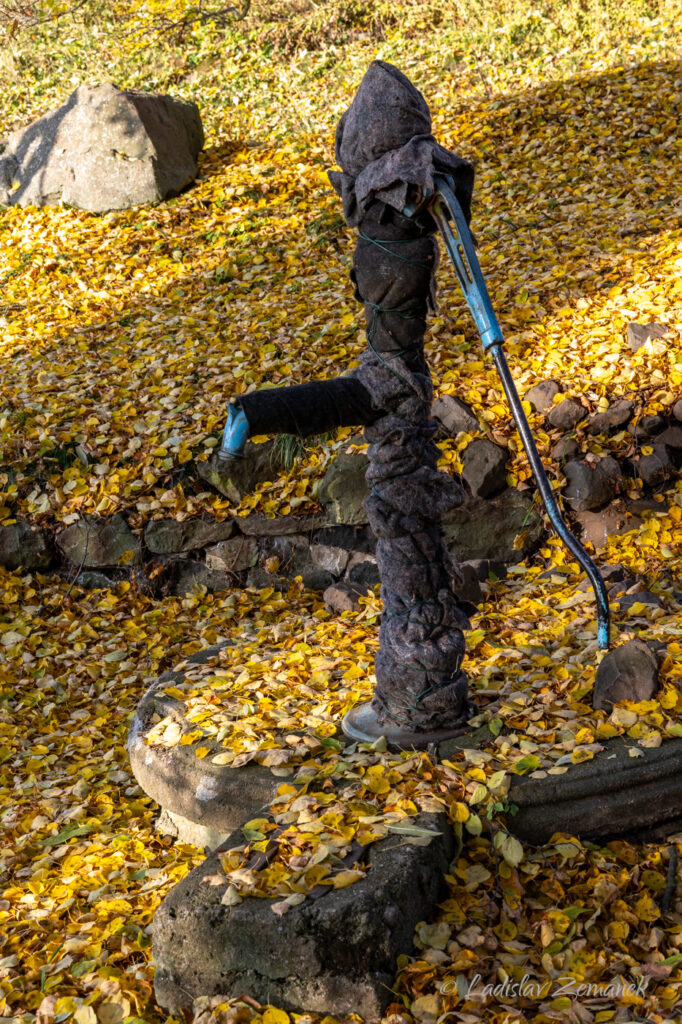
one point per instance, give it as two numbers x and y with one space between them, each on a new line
388 159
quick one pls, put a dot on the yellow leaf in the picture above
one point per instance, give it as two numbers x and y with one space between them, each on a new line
344 878
459 812
271 1015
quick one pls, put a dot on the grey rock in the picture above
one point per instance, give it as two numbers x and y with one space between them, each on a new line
565 448
258 525
354 539
629 672
455 416
188 576
24 547
470 591
566 414
92 580
342 597
97 543
103 149
613 520
541 397
671 438
489 528
239 477
295 559
656 468
170 536
333 559
677 410
647 426
617 415
332 954
639 334
363 571
344 488
185 831
612 794
640 596
233 555
617 578
487 569
590 487
484 468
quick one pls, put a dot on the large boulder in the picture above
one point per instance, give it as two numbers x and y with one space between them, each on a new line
103 149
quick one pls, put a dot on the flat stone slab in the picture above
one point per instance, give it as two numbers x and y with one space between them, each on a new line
216 797
614 794
333 953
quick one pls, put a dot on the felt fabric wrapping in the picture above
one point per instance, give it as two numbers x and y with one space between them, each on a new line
419 682
388 157
385 147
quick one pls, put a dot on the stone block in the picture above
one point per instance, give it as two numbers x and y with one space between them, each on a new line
233 555
455 416
656 468
333 559
592 486
671 438
566 448
187 576
639 334
629 672
618 414
541 397
489 528
344 488
611 795
334 953
566 414
342 597
239 477
99 543
24 547
647 426
172 537
214 796
103 149
484 467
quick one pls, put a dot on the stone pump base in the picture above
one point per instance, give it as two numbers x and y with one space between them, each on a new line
304 961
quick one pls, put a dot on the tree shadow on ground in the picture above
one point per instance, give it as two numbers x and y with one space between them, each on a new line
578 185
585 169
27 163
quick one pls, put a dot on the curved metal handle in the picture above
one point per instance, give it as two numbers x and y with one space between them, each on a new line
450 220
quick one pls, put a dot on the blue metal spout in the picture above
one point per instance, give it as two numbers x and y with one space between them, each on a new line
235 434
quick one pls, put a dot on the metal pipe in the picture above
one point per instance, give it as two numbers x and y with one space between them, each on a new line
450 220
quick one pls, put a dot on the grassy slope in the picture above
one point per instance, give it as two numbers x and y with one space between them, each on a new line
126 333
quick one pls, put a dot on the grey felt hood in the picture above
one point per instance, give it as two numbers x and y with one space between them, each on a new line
386 150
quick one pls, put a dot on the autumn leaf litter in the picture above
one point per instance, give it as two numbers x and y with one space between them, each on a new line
123 336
